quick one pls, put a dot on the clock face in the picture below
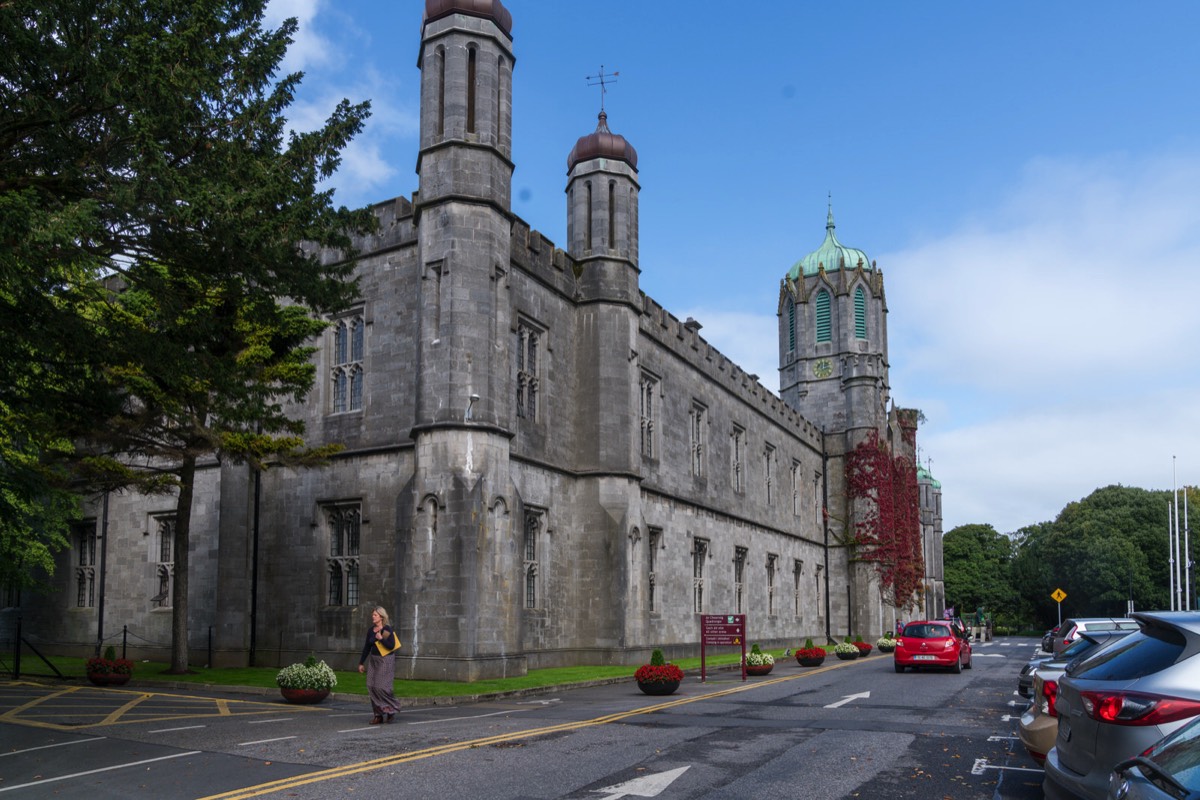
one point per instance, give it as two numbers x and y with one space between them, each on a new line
823 368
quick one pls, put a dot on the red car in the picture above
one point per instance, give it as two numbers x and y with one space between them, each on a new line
932 643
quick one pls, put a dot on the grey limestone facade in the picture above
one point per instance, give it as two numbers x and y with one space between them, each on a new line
542 465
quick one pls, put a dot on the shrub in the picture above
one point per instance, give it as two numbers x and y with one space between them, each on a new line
808 644
656 659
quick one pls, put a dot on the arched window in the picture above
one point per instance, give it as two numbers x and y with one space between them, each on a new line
860 313
791 326
471 55
441 91
824 325
588 244
348 368
612 215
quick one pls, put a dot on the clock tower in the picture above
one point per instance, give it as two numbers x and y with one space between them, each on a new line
833 338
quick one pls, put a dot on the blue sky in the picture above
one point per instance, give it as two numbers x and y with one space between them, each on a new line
1025 174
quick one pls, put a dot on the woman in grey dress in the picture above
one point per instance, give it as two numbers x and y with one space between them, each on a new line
380 669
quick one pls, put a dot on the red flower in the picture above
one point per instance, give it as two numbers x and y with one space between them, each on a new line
666 673
863 647
105 666
810 652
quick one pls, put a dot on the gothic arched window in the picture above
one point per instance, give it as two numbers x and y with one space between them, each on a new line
860 313
824 324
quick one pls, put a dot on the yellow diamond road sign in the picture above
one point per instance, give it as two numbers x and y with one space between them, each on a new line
1059 595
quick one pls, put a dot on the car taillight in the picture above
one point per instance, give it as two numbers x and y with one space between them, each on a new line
949 644
1050 698
1130 708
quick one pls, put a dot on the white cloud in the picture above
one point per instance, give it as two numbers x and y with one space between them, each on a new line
309 47
1051 340
748 340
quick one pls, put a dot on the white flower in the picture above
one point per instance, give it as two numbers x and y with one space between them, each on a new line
759 660
311 674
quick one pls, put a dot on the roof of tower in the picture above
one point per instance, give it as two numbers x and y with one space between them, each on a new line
832 255
487 9
925 475
602 144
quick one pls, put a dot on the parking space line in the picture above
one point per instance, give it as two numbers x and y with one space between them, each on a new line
265 741
120 711
266 721
94 771
982 764
474 716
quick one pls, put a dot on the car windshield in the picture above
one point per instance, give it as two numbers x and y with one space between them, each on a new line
926 631
1135 656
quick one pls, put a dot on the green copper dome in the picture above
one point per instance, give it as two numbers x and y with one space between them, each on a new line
924 475
832 255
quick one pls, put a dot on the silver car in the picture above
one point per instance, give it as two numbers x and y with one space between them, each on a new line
1069 631
1170 770
1116 703
1080 647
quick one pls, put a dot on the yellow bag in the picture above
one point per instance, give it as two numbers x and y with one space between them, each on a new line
383 650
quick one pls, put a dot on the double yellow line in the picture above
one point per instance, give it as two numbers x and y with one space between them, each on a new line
429 752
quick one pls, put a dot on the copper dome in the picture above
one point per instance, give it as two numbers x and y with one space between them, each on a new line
602 144
488 9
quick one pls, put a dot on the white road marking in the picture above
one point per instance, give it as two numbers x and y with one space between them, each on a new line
645 786
477 716
94 771
848 698
46 746
172 730
265 721
265 741
981 764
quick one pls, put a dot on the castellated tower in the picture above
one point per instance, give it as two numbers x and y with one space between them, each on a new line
458 560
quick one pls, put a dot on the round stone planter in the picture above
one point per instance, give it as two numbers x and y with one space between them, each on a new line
865 653
883 649
304 697
659 687
810 662
108 678
847 656
759 669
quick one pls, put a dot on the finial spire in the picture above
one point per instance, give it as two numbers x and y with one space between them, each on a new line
829 218
602 80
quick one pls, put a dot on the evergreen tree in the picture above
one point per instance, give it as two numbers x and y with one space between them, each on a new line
153 205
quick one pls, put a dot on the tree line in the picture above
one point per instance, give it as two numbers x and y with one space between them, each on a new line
1102 551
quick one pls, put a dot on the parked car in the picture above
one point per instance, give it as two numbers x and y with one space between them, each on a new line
1048 640
1168 770
1080 647
932 643
1121 700
1070 629
1039 723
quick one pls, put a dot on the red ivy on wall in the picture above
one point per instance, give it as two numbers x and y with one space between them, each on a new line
887 526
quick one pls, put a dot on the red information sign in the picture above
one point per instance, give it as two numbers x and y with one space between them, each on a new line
722 629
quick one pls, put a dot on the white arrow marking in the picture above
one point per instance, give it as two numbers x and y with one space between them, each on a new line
848 698
539 702
989 655
1008 718
645 786
1002 738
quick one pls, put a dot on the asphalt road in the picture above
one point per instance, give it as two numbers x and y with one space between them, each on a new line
844 730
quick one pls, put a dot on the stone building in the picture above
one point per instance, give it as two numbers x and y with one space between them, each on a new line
542 465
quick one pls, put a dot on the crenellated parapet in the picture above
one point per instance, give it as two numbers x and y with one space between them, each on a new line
683 339
536 255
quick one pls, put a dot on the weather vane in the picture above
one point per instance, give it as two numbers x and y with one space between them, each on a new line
602 80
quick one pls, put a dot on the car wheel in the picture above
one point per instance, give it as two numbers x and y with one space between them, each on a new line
968 664
899 667
957 667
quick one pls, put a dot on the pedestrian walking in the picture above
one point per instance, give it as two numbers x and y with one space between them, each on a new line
379 663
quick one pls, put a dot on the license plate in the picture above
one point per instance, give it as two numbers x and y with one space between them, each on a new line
924 658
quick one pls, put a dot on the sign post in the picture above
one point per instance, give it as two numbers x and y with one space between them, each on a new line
1058 595
722 629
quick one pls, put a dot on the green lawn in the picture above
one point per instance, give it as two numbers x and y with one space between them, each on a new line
354 683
